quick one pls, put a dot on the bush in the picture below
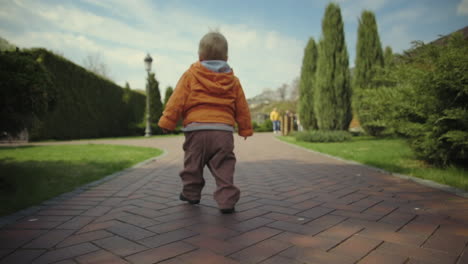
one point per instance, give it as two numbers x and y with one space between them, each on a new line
442 136
266 126
323 136
425 99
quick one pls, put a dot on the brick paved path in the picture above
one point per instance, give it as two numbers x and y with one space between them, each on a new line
296 207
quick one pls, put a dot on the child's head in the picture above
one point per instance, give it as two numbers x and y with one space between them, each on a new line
213 46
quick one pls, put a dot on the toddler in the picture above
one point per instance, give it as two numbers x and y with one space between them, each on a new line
210 100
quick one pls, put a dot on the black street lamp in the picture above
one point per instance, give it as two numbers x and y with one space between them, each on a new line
148 60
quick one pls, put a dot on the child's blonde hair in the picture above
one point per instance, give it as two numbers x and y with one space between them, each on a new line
213 46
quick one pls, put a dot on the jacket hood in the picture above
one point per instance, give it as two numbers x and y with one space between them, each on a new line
214 82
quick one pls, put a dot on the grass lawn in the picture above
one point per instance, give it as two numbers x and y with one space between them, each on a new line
32 174
112 138
393 155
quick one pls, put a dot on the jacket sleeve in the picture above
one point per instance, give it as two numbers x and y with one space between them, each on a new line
175 106
243 114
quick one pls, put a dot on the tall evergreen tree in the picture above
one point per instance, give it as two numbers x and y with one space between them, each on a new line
306 86
167 95
369 55
155 99
369 59
332 92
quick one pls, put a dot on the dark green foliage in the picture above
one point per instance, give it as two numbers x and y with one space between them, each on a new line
156 107
266 126
27 91
135 107
323 136
369 60
155 99
167 95
306 86
88 106
425 98
332 93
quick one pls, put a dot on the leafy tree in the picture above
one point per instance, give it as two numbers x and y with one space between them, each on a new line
294 89
155 99
306 86
167 95
26 91
94 63
332 93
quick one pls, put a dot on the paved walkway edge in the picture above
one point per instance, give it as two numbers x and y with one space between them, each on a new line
425 182
9 219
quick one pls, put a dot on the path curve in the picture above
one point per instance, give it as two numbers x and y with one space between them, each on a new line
296 207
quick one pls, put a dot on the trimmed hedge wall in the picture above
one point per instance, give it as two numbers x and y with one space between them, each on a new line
87 106
26 91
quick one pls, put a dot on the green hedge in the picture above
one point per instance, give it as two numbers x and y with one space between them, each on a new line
27 91
88 105
323 136
266 126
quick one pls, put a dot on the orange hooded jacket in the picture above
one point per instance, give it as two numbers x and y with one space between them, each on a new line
204 96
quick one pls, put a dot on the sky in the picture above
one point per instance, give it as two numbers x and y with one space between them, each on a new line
266 37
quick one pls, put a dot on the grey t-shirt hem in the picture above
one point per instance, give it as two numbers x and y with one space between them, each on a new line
207 126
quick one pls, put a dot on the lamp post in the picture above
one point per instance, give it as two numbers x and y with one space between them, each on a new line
148 60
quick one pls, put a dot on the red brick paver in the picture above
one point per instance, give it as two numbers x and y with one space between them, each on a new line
296 206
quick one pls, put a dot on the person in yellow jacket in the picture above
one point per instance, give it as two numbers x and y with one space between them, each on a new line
275 119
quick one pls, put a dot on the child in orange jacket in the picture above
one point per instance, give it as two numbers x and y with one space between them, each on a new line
210 99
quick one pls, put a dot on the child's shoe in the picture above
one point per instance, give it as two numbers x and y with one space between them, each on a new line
227 210
183 198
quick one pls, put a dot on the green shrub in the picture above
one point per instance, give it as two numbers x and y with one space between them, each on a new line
322 136
266 126
426 100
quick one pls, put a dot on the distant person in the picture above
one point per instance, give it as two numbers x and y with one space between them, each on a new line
210 99
275 119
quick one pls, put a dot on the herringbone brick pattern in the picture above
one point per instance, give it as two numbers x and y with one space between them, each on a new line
295 207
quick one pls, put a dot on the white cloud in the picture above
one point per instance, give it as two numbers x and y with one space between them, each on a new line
462 8
261 58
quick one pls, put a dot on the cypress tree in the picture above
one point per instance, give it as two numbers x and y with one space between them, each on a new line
155 99
167 95
369 58
369 53
306 86
332 93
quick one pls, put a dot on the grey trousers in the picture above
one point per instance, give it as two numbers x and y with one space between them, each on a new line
215 149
